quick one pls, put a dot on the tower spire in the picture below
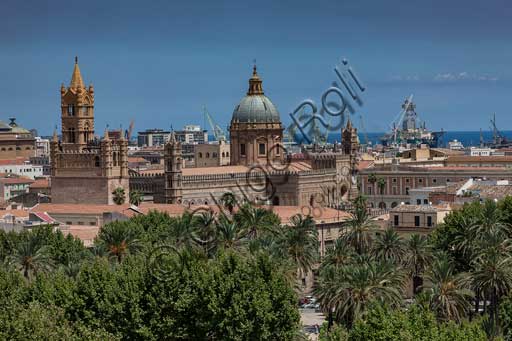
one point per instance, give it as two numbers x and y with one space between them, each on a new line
76 78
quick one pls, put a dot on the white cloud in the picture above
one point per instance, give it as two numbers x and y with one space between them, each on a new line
463 76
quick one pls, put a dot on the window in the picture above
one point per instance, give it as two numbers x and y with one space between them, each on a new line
92 223
223 154
69 223
429 221
214 154
261 149
84 111
394 180
207 155
278 149
71 110
200 155
418 201
434 180
420 181
242 149
407 180
425 201
395 220
416 220
370 190
406 190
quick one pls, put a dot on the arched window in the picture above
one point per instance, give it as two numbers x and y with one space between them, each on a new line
223 154
207 155
200 155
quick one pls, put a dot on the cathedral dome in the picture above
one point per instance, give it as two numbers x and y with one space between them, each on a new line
255 107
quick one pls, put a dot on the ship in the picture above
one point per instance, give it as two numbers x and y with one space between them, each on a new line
408 130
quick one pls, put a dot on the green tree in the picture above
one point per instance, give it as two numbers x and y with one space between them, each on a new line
228 200
136 197
372 179
417 258
119 239
388 246
381 184
31 257
352 289
448 294
301 243
359 228
119 196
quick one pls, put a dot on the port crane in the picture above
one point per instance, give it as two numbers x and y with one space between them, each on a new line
363 129
497 136
217 131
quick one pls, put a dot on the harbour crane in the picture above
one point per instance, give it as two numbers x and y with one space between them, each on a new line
363 130
217 131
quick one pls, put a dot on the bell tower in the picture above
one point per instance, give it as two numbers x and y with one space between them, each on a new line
77 112
173 173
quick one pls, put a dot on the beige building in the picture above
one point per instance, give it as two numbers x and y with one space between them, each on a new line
271 177
84 169
16 141
212 155
399 180
417 218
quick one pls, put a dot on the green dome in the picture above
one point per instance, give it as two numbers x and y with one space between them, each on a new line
255 107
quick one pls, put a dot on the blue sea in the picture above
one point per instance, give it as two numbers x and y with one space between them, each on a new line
467 138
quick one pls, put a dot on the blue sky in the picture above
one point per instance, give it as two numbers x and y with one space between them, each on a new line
159 62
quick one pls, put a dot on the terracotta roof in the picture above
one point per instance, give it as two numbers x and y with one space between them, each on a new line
16 213
12 181
16 161
85 233
364 164
81 208
137 159
284 212
468 158
214 170
465 168
40 183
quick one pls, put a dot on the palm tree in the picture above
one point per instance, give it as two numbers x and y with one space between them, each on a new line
301 243
372 178
30 257
119 239
340 254
255 220
418 256
228 234
360 228
492 276
183 230
228 200
119 196
388 246
350 290
381 183
204 234
136 197
449 297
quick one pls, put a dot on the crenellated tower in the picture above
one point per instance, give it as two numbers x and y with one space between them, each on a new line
173 173
85 169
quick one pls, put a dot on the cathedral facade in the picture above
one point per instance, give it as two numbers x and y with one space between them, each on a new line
85 169
260 169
